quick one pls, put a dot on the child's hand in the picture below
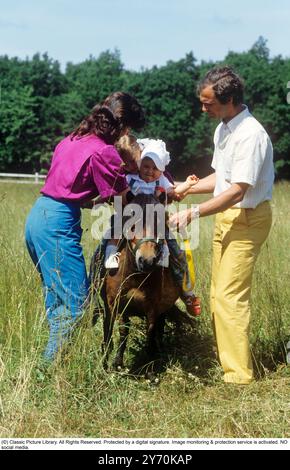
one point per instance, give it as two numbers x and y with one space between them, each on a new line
172 196
160 193
159 190
192 180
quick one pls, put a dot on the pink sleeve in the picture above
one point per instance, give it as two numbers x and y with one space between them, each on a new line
107 171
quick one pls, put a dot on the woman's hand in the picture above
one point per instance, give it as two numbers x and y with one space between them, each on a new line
87 204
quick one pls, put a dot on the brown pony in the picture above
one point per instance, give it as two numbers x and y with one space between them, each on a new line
139 287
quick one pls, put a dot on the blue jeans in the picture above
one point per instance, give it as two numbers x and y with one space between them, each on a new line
53 234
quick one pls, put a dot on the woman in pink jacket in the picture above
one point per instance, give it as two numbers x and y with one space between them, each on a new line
84 164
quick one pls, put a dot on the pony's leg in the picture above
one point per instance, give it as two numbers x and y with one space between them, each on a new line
160 331
155 330
124 327
153 348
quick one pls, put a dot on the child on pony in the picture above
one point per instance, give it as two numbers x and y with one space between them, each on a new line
145 162
151 161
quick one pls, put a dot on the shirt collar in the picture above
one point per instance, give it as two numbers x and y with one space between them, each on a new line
138 178
233 123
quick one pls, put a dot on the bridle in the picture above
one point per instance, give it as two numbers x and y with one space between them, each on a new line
158 242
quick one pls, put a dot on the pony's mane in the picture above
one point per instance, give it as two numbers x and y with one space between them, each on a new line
143 199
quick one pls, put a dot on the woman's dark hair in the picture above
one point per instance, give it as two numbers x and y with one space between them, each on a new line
108 119
225 83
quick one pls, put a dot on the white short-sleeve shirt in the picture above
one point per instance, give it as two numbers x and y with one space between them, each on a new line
244 154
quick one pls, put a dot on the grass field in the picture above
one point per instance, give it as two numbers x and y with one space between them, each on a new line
78 398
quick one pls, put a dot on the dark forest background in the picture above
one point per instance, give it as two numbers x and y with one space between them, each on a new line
40 104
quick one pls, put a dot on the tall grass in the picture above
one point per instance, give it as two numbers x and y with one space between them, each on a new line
77 398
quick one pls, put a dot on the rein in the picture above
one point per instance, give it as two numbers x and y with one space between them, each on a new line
144 240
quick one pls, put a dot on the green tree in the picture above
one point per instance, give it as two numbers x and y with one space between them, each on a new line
29 91
265 93
94 79
48 84
169 98
40 104
18 122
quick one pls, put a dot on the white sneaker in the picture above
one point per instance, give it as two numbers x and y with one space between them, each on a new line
112 261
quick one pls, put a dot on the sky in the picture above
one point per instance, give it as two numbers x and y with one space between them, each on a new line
146 32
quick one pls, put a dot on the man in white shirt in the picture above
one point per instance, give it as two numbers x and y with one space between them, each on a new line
242 186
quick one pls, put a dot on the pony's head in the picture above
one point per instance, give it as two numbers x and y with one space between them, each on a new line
144 228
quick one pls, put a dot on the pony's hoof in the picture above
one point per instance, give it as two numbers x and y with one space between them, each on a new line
152 379
120 368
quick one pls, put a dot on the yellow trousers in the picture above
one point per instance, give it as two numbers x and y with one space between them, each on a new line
239 235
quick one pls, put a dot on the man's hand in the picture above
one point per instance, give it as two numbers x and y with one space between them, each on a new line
192 180
180 219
